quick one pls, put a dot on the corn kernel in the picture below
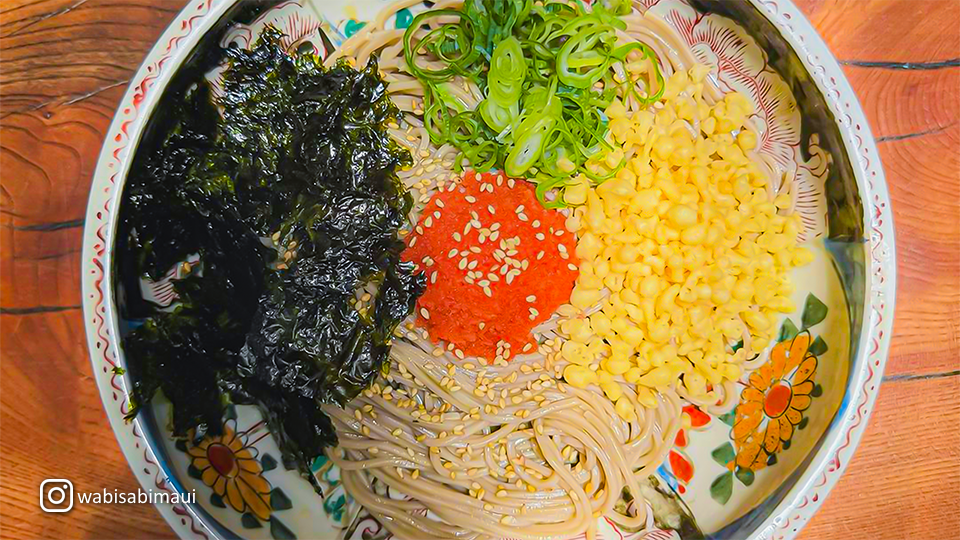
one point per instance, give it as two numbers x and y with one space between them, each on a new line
616 110
657 377
583 298
694 235
576 353
612 390
646 398
633 375
616 366
576 194
747 140
579 376
624 408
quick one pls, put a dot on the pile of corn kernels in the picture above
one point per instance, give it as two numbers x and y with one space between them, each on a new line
682 254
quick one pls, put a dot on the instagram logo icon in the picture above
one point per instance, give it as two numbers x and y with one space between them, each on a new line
56 495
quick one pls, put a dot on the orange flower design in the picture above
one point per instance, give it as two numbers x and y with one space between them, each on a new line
772 405
231 468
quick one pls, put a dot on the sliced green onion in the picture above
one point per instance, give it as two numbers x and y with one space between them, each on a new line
497 116
538 64
529 146
460 39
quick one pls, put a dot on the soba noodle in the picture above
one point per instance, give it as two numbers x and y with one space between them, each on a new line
494 451
443 447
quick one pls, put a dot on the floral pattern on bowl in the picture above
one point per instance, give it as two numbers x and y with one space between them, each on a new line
723 467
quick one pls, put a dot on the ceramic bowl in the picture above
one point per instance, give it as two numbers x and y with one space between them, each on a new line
740 475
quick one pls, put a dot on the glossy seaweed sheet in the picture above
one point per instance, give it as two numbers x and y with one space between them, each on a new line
298 154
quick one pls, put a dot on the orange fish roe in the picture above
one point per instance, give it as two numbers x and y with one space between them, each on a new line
497 262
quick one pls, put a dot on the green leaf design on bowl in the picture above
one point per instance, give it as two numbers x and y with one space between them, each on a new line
722 488
814 311
724 454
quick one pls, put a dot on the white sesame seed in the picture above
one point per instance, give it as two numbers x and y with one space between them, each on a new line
471 199
452 253
540 236
440 203
462 265
491 209
488 292
425 314
457 237
540 255
433 277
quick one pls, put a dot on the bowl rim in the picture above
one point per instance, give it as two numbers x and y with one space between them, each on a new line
199 16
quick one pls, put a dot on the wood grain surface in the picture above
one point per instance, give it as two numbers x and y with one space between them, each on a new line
64 64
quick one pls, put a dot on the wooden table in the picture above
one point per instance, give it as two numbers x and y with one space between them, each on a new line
65 66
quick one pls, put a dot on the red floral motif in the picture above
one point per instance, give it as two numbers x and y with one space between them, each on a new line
681 465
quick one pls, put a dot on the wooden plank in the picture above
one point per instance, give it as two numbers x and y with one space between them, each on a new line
64 70
904 480
54 427
904 103
52 52
53 151
922 174
922 31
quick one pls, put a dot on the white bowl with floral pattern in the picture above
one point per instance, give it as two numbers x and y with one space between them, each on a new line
759 472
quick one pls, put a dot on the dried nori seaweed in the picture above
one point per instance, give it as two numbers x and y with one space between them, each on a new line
299 153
